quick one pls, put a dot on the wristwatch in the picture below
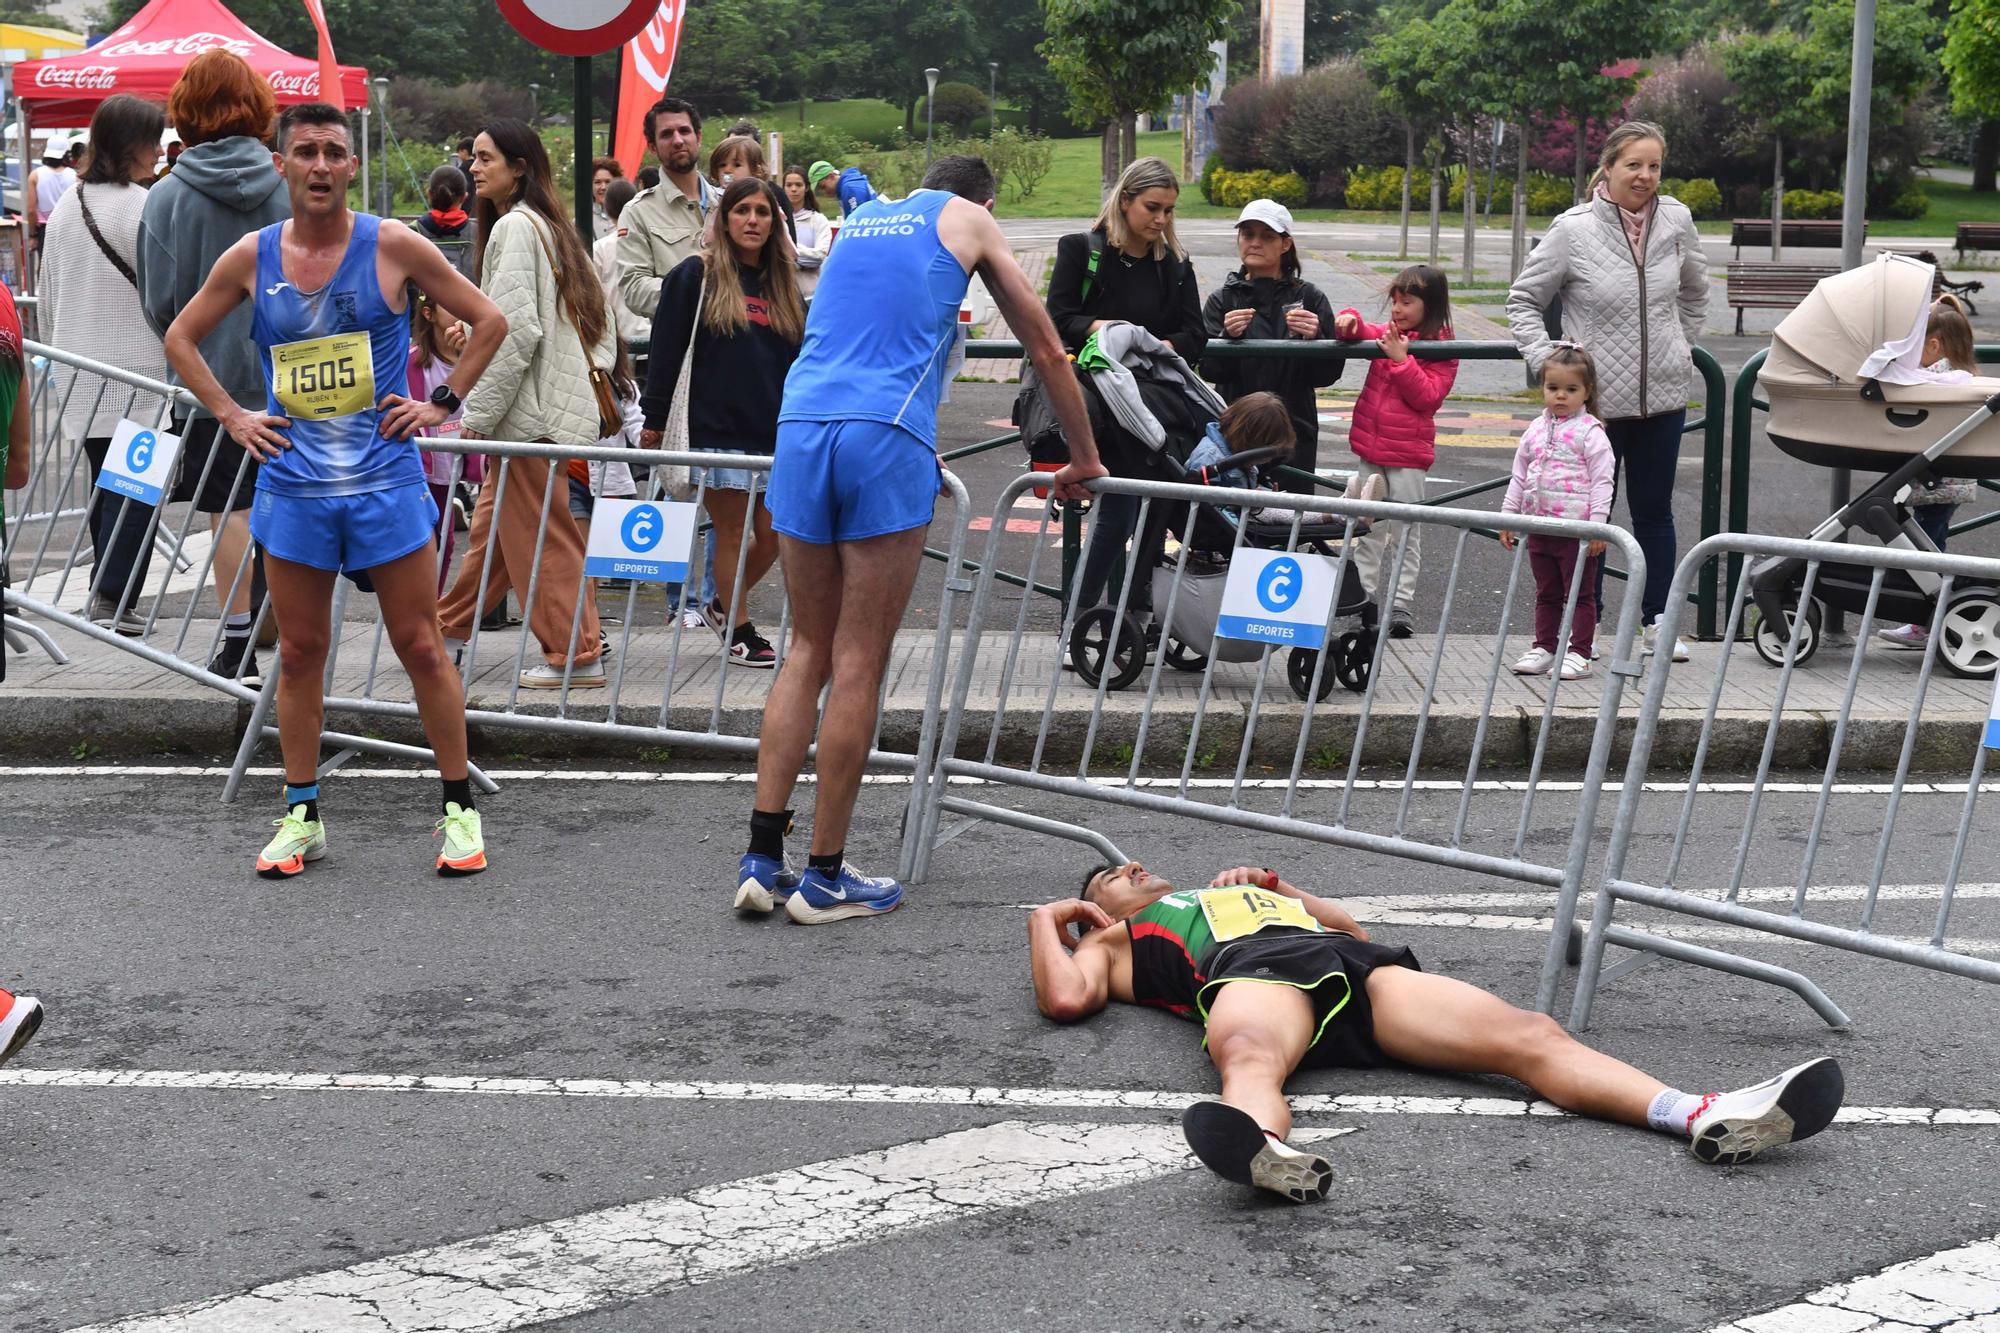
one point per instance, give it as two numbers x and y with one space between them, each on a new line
445 398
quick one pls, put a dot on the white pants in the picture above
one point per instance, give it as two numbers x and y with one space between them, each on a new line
1375 554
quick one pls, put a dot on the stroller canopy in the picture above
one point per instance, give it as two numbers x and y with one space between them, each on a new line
1851 319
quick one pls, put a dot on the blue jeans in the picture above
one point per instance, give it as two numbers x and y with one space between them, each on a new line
1935 520
1648 450
1112 526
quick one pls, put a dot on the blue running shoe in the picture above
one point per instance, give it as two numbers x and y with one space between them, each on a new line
818 900
762 882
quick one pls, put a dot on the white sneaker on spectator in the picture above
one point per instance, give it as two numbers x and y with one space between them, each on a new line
1535 662
582 676
1652 637
691 619
1905 636
1575 666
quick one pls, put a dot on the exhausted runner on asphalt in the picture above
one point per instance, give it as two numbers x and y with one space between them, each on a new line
340 492
1285 980
853 482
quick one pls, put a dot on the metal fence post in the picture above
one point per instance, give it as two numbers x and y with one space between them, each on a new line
1714 403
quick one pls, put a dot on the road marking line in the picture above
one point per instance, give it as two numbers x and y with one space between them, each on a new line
560 1269
1949 1289
700 778
863 1094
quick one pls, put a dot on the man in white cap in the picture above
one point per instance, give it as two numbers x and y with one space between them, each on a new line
47 184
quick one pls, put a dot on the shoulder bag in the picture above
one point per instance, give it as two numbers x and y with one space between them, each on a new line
117 260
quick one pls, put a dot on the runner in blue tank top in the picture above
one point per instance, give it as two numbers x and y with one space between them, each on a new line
341 489
853 483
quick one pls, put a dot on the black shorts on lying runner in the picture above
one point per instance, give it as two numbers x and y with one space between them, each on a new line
1332 969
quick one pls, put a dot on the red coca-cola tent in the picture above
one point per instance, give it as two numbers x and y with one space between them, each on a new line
147 54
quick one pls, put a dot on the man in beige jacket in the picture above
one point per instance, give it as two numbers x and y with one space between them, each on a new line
662 226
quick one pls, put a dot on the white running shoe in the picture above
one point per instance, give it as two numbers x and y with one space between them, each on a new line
582 676
20 1015
691 619
1733 1127
1231 1143
1535 662
1575 666
1651 634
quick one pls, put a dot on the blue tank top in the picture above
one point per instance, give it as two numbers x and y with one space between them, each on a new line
329 357
879 334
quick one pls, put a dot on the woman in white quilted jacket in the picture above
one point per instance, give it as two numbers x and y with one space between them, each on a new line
1629 267
531 261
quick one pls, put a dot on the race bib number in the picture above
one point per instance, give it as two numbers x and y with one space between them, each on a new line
322 378
1235 912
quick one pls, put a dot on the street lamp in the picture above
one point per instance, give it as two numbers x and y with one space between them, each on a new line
992 106
930 112
382 99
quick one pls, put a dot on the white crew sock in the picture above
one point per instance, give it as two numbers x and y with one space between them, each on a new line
1670 1111
236 626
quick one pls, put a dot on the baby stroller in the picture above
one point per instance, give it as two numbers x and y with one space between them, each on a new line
1846 391
1187 637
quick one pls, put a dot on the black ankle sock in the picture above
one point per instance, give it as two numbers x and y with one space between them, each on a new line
767 832
828 865
458 791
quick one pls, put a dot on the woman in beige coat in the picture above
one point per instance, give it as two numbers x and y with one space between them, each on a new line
531 261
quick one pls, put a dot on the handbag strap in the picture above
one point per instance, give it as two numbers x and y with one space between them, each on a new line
677 414
555 267
117 260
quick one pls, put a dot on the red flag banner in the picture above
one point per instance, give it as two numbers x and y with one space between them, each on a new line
642 81
329 68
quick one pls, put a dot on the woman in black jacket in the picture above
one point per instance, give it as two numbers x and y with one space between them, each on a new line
1142 276
735 308
1267 298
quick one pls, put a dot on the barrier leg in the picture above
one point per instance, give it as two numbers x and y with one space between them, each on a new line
20 633
260 713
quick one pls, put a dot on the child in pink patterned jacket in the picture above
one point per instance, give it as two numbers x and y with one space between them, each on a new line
1563 469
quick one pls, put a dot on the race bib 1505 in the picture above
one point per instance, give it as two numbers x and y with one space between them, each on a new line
322 378
1235 912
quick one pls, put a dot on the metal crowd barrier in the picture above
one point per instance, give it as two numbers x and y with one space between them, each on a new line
1710 424
1805 911
1019 727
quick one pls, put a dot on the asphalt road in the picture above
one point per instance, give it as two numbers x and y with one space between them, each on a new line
600 948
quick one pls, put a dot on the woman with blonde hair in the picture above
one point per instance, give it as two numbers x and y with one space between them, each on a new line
1628 265
1130 268
735 312
531 261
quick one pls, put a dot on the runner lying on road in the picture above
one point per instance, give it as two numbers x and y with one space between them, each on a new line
1284 980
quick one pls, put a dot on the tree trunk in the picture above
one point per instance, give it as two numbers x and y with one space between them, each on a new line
1108 153
910 115
1409 170
1437 202
1492 176
1034 113
1577 192
802 108
1128 141
1777 197
1985 156
1520 253
1471 198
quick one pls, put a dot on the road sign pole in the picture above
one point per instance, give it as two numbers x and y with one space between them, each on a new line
581 123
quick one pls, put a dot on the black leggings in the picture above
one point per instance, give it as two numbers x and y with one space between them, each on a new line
1648 450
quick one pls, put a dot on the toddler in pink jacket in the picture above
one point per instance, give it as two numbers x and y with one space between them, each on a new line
1395 428
1563 469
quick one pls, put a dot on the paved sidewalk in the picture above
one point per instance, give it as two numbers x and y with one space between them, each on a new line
112 702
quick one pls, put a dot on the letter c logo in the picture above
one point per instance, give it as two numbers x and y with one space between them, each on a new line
1279 586
139 454
643 528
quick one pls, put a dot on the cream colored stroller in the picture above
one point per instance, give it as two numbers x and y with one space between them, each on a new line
1847 391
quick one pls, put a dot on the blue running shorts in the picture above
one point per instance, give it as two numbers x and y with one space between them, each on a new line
842 481
346 533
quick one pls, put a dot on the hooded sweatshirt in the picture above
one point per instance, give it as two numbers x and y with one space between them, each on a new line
217 193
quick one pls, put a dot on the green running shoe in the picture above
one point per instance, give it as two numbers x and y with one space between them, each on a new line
463 853
298 841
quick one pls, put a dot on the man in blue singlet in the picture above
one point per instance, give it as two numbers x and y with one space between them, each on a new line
341 491
853 482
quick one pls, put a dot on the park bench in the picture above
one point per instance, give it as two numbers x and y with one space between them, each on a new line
1760 285
1977 236
1807 233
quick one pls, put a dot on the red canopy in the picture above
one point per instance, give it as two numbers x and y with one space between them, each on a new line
146 55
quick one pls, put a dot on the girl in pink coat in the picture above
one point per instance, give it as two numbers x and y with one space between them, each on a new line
1395 428
1563 469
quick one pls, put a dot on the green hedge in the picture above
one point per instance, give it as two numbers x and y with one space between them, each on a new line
1702 197
1233 189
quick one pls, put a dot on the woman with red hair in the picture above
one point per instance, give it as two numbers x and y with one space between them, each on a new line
225 185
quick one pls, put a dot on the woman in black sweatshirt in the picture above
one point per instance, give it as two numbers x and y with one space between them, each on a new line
735 309
1142 277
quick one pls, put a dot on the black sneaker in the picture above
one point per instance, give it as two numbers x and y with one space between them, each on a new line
236 656
1400 624
749 648
1230 1143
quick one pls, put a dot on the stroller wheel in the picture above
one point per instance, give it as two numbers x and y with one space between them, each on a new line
1095 654
1354 658
1299 671
1772 648
1183 658
1969 638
